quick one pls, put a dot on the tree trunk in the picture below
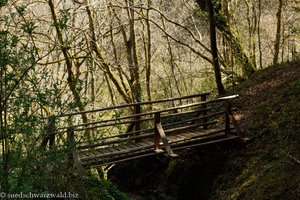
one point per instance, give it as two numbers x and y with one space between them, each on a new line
148 54
171 60
3 129
229 35
278 33
259 35
104 65
71 79
214 48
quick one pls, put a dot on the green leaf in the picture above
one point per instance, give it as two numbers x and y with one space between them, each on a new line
28 27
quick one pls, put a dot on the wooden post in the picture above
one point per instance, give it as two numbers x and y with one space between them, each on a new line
51 131
157 120
204 112
174 105
137 123
137 118
73 155
159 134
227 115
70 144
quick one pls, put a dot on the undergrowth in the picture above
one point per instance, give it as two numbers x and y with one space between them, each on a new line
268 166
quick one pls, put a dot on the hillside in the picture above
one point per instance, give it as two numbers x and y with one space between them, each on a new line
266 167
269 165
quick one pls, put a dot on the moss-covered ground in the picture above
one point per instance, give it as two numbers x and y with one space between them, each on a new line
268 167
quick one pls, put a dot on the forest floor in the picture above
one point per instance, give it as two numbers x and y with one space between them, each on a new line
266 167
269 165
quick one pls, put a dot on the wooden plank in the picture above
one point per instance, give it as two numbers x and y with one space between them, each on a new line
186 127
115 153
121 160
226 138
118 148
182 113
121 147
196 119
181 137
186 136
135 144
171 138
192 134
102 151
84 154
103 143
122 136
180 146
114 141
148 142
199 134
199 139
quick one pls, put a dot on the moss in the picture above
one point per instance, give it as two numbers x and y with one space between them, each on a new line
270 169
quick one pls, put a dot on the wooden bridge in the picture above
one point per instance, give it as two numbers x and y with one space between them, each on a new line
156 127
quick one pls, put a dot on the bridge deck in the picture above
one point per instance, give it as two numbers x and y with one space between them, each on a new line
145 147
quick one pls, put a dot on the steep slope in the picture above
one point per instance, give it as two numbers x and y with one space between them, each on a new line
269 166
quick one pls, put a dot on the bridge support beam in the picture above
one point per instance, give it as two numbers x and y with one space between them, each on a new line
160 134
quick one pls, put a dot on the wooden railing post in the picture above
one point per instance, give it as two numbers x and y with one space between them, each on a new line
70 144
227 115
137 118
230 118
204 112
157 120
73 155
50 133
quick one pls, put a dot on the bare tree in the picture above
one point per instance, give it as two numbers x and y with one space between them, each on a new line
278 32
225 28
214 48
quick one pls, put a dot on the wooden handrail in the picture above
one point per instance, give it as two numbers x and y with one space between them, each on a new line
142 114
133 116
134 104
152 112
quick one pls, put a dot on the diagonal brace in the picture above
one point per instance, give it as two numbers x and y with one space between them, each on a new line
160 134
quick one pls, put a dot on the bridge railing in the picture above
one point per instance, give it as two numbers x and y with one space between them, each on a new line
195 112
98 119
